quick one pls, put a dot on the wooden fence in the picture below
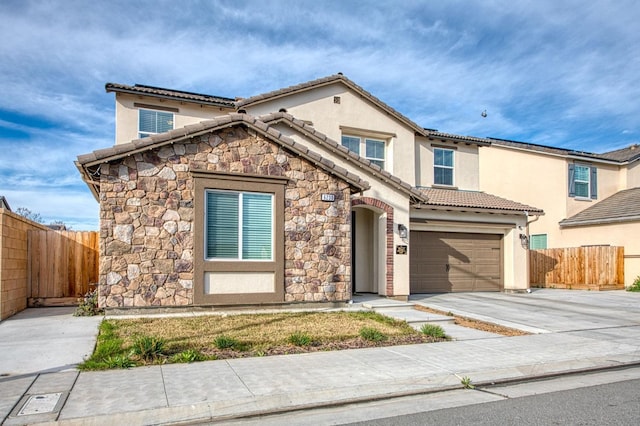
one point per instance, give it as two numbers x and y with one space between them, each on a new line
585 268
61 266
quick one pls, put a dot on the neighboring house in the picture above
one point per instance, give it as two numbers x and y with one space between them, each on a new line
588 199
309 193
4 204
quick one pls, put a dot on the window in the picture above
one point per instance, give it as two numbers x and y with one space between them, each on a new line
373 149
152 122
583 181
443 166
538 242
238 225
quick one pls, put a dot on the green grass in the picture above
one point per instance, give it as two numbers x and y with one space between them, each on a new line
433 330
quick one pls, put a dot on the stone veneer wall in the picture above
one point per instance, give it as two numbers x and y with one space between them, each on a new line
147 214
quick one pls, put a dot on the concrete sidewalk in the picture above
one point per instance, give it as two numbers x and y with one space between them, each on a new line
223 389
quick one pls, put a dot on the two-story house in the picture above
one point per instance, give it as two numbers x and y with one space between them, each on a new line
308 193
588 199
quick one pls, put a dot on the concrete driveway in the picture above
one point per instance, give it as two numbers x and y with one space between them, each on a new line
45 340
543 310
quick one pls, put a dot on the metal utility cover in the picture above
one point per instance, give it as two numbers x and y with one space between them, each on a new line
40 404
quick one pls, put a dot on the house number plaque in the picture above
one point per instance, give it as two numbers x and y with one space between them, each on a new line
401 249
328 197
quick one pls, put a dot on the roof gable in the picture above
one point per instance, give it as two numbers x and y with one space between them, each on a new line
332 79
623 206
88 163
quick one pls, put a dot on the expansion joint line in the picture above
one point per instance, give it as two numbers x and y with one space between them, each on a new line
239 378
164 386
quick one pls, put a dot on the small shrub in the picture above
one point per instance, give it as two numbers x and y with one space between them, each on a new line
371 334
299 339
119 361
635 286
225 342
433 330
187 356
148 348
88 306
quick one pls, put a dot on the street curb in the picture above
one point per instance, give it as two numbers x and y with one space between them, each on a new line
274 405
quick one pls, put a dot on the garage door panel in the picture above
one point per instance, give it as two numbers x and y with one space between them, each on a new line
474 262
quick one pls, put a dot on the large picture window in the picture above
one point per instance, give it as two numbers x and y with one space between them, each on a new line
443 166
152 122
238 225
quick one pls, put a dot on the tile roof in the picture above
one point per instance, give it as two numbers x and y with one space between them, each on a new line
434 134
86 161
474 200
628 154
326 81
171 94
339 149
623 206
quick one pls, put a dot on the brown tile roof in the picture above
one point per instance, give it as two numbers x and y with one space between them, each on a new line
327 81
630 153
373 169
623 206
178 95
474 200
87 161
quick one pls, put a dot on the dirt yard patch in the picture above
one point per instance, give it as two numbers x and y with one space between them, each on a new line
472 323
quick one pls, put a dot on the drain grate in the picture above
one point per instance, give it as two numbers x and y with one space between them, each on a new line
40 404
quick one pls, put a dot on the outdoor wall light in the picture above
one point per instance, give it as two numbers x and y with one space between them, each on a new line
403 231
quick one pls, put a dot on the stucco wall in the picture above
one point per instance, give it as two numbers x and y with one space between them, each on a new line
14 262
147 221
540 180
466 164
188 113
326 116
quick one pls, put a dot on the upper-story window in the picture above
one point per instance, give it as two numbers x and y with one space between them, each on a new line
151 122
443 166
369 148
583 181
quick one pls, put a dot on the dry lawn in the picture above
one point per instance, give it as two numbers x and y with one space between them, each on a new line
478 325
252 334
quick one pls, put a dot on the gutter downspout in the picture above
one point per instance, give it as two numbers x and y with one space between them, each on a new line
527 239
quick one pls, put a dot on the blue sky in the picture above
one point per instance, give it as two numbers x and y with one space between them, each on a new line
561 73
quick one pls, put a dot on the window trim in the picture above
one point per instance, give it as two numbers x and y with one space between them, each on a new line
592 182
452 167
276 185
240 226
142 134
362 147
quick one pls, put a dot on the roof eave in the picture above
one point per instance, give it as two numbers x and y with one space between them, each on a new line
604 221
441 207
230 105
